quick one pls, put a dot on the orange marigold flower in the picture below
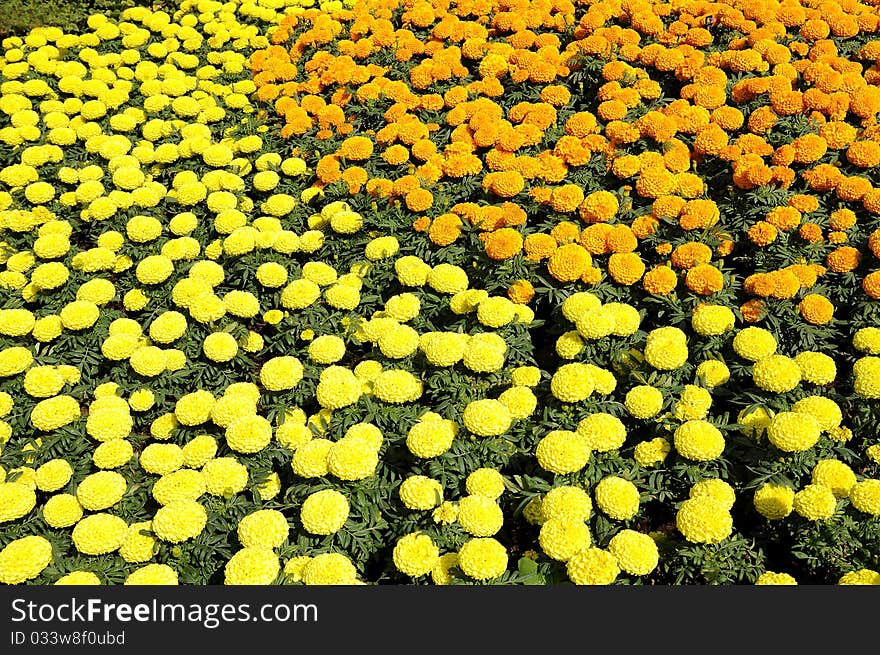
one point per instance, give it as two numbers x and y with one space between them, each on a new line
804 203
874 242
853 188
644 226
816 309
691 254
784 218
592 275
569 262
871 284
521 292
565 232
595 238
724 248
843 260
539 246
566 198
752 311
620 238
626 267
418 200
864 154
698 215
599 207
809 148
396 154
759 284
663 249
810 232
506 184
806 274
660 280
356 148
421 224
704 279
785 284
379 187
668 206
445 229
762 233
655 182
503 243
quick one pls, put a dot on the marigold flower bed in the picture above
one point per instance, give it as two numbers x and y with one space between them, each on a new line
496 292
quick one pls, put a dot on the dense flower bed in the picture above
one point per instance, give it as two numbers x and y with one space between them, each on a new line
517 292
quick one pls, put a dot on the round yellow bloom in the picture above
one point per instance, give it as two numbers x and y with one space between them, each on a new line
815 502
835 475
487 417
98 534
53 475
324 512
24 559
666 348
636 553
704 520
415 554
252 566
793 431
774 501
593 566
152 574
421 492
617 498
865 496
485 482
644 401
572 383
699 440
16 500
561 539
754 343
179 521
480 516
562 451
101 490
265 528
62 511
771 578
602 432
483 558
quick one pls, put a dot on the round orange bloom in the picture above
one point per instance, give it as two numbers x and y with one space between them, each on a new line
663 249
691 254
874 242
660 280
396 154
445 229
566 198
871 284
565 232
506 184
356 148
816 309
569 262
843 259
698 215
503 243
626 268
539 246
724 248
644 226
804 203
668 206
595 238
599 207
784 218
422 223
864 154
752 311
513 214
785 284
810 232
521 292
655 182
806 275
592 275
762 233
704 279
418 200
620 238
